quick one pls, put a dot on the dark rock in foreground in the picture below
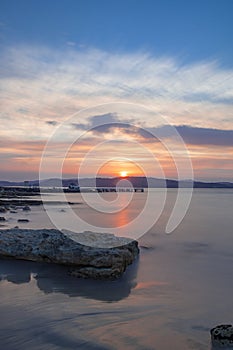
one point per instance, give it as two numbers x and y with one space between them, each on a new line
222 336
3 210
26 208
90 255
19 202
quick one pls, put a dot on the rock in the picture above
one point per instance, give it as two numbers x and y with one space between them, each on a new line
13 207
26 208
23 220
2 218
13 211
222 336
98 256
3 210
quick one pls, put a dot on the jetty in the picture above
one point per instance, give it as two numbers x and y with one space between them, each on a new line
119 189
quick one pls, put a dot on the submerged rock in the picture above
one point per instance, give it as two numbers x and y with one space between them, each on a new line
3 210
222 336
98 256
26 208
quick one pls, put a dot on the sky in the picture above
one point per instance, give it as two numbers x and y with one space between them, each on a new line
100 87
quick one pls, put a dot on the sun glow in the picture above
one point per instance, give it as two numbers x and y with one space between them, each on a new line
123 173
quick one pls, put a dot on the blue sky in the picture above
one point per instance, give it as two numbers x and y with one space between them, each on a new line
58 57
195 30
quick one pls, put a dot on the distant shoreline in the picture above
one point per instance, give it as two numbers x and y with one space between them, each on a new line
137 182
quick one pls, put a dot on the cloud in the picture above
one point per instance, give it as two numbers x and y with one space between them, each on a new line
206 136
193 135
71 43
43 87
104 124
96 120
52 122
108 123
51 85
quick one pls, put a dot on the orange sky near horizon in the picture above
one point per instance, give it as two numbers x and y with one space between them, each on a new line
72 101
21 158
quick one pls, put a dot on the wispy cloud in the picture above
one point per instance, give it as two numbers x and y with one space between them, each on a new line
41 88
51 85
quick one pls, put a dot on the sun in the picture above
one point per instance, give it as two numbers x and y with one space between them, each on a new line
123 173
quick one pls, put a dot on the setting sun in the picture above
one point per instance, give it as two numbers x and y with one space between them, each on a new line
123 173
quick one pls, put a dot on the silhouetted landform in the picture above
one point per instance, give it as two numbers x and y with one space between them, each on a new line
137 182
198 184
52 278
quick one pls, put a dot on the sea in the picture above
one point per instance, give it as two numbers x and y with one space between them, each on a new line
179 288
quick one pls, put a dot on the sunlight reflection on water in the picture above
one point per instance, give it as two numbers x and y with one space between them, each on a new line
169 299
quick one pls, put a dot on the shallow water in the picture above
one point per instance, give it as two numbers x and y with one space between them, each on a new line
180 287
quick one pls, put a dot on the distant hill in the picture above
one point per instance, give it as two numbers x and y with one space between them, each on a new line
140 182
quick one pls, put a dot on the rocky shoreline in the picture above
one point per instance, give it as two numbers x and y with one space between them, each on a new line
88 254
23 202
14 192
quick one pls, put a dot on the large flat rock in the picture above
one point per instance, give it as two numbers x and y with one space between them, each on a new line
89 254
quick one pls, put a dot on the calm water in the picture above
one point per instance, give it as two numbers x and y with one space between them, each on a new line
180 287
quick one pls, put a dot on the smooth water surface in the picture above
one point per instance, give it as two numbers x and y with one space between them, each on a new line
180 287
